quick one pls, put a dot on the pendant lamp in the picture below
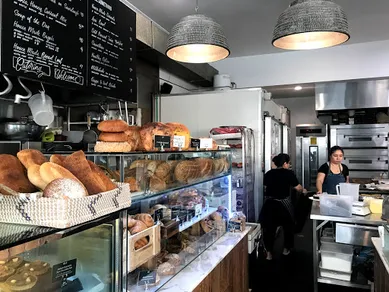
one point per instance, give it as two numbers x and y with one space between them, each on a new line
197 39
311 24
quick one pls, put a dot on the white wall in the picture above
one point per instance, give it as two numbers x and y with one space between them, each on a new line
180 86
365 60
302 111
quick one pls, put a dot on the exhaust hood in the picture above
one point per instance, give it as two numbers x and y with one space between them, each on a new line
360 94
151 46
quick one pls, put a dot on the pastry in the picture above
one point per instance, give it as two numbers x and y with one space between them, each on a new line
13 178
21 282
149 130
30 157
166 269
112 126
157 184
173 259
145 218
15 262
5 272
108 184
114 147
34 175
180 130
138 227
78 165
57 159
141 243
36 268
65 188
113 137
131 222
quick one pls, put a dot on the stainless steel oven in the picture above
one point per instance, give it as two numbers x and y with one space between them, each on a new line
311 153
365 148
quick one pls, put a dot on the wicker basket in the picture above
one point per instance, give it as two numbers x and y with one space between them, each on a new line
38 211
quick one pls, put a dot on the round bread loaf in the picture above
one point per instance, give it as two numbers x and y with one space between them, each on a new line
112 126
179 130
65 188
113 137
146 219
148 131
133 137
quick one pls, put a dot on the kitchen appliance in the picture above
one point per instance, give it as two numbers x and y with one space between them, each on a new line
361 208
22 130
273 130
242 145
365 148
286 139
10 147
311 153
201 112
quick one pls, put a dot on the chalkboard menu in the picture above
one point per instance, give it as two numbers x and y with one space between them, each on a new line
86 44
112 38
45 40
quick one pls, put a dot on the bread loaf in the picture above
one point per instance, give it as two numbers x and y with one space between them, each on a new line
30 157
113 137
65 188
205 166
157 184
115 147
34 175
148 131
152 166
163 171
220 165
108 184
186 171
78 165
57 159
112 126
166 269
133 137
145 218
142 163
50 171
179 130
13 176
141 243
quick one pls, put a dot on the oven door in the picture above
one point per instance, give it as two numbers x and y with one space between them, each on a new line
362 136
366 159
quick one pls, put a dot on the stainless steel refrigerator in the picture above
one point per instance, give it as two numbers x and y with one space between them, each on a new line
311 153
201 112
243 169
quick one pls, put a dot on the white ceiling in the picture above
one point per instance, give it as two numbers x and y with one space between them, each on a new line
249 24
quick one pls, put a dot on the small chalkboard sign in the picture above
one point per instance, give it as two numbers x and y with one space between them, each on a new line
158 215
195 143
147 278
162 142
64 270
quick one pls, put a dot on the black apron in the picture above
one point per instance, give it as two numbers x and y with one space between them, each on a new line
332 180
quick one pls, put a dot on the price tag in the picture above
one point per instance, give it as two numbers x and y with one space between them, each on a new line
162 142
158 215
147 278
198 209
194 143
206 143
64 270
179 141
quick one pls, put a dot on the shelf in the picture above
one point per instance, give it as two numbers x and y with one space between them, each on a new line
12 235
205 214
343 283
138 196
227 136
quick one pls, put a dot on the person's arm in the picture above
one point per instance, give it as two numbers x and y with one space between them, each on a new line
346 173
299 188
321 175
294 182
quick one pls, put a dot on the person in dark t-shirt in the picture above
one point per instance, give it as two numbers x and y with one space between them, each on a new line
332 173
278 210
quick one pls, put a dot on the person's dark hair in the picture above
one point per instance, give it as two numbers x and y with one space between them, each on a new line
334 149
280 159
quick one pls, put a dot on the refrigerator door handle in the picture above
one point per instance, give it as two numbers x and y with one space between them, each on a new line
302 163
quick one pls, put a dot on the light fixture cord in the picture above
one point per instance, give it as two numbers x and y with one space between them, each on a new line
197 6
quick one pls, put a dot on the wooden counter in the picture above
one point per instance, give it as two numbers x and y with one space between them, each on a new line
381 267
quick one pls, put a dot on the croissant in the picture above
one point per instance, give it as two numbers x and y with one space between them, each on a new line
146 219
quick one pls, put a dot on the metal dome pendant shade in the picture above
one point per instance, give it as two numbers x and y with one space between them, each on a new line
197 39
311 24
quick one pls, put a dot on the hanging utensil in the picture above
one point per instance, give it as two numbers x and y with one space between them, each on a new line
9 86
90 136
19 97
125 105
120 111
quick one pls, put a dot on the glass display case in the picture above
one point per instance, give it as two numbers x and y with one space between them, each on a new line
180 207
